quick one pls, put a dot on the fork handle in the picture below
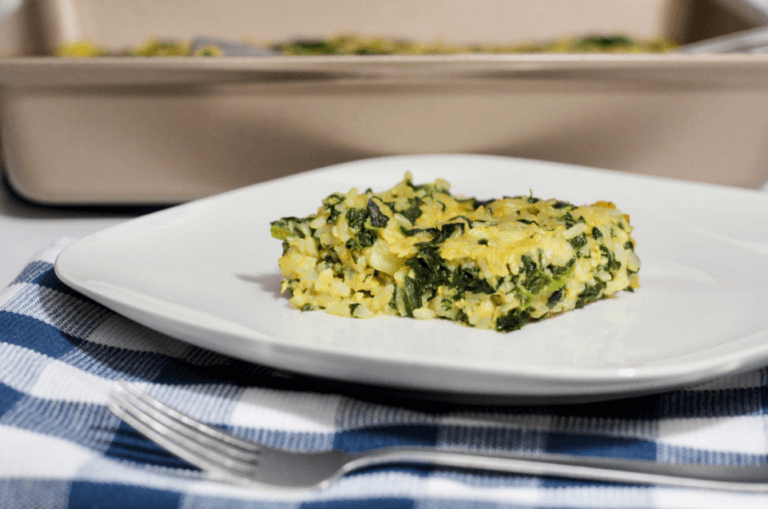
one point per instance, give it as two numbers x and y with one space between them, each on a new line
749 478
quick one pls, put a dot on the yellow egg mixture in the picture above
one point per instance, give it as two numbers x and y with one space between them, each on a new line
418 251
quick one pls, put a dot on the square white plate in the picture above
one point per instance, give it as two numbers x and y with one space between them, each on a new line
206 272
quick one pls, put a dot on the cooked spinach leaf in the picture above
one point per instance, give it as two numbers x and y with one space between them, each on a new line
465 218
578 241
378 220
287 227
538 282
555 298
468 280
442 234
414 211
563 271
590 293
413 231
474 202
364 237
528 264
612 263
332 205
514 320
356 218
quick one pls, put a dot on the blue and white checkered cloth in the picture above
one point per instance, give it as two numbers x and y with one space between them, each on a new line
60 447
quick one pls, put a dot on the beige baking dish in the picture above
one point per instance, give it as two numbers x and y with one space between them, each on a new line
132 130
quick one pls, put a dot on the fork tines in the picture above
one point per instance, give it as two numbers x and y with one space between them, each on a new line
203 446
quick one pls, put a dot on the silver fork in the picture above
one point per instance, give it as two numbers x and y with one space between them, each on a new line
231 459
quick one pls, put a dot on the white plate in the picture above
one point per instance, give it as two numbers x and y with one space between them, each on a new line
206 272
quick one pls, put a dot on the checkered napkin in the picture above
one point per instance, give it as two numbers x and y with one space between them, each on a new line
61 353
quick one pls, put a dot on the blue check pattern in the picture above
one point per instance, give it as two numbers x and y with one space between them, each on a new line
60 447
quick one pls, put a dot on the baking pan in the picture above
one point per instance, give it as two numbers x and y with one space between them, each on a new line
134 130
